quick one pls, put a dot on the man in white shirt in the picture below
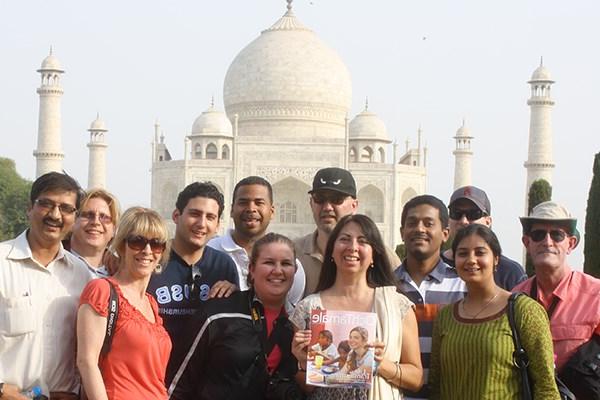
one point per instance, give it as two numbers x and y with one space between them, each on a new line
252 209
94 228
40 284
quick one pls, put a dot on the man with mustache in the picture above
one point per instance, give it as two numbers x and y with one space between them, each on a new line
251 210
94 228
332 197
40 284
571 298
423 276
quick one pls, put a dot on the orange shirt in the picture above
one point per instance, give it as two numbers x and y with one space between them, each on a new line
135 366
577 315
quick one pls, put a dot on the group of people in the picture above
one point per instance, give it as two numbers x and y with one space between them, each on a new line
99 305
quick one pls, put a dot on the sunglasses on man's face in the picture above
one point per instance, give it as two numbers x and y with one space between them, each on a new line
540 234
332 198
472 215
139 243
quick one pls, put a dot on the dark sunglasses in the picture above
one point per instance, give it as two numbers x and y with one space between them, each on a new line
539 234
48 205
472 215
139 243
335 199
91 216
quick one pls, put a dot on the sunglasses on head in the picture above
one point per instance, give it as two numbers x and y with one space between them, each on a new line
332 198
539 234
472 214
139 243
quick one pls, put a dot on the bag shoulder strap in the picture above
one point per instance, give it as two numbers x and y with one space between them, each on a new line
111 319
534 295
520 357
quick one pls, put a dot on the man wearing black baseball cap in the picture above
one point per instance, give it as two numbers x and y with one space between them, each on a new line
333 196
471 205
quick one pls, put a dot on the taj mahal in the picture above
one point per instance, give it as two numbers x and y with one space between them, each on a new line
287 99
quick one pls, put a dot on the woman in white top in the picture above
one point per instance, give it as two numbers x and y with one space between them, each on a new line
356 276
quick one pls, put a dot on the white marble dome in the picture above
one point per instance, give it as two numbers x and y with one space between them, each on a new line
368 126
288 71
212 121
51 63
97 125
463 131
541 73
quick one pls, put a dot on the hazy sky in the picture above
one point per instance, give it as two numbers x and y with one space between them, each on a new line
419 62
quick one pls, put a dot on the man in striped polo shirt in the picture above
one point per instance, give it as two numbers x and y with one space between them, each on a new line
423 276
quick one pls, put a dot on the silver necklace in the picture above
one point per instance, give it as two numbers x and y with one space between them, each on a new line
486 305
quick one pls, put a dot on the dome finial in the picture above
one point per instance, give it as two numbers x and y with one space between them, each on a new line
289 5
541 61
212 101
366 103
97 114
50 50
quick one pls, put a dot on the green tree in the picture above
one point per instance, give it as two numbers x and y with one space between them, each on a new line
539 191
591 250
14 199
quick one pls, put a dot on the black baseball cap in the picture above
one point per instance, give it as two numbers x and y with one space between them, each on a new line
336 179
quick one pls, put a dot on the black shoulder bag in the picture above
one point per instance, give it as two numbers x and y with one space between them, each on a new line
582 370
111 319
521 359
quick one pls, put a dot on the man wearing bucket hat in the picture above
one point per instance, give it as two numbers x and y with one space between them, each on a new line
571 298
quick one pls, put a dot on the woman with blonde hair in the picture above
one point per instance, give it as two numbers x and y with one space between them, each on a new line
134 367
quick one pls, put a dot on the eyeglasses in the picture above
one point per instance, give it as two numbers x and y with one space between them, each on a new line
539 234
91 215
472 215
333 198
139 243
48 205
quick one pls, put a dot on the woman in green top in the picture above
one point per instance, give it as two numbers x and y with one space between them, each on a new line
472 346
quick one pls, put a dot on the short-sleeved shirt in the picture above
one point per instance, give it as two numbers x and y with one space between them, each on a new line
38 308
577 314
171 289
330 351
508 274
440 287
135 366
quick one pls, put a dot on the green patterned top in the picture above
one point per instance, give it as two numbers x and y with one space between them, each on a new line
472 358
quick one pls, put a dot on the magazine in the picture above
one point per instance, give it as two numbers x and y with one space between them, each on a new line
338 355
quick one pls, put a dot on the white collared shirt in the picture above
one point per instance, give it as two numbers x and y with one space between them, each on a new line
38 308
100 272
241 259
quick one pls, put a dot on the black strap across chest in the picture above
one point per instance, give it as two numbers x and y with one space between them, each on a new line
111 319
534 295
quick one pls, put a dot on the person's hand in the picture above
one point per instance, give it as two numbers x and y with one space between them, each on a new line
300 344
378 350
222 289
11 392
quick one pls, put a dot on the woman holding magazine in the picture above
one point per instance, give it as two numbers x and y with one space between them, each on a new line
357 277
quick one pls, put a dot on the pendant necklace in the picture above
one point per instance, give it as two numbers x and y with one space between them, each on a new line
482 308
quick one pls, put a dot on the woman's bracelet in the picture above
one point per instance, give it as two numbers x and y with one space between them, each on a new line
300 367
398 373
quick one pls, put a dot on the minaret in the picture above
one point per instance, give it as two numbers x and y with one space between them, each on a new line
49 153
462 157
539 163
97 162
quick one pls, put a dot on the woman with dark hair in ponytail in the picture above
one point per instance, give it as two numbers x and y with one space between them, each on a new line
357 276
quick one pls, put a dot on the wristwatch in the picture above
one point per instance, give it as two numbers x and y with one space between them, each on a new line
1 389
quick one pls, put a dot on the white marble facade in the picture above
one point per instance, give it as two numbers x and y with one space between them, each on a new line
287 96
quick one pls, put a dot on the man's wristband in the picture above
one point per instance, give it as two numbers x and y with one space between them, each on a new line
300 367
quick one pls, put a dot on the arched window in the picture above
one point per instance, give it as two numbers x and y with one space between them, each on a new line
371 202
211 151
225 152
198 150
366 154
353 154
381 155
287 213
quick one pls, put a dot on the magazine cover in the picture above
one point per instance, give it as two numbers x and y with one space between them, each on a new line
338 355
